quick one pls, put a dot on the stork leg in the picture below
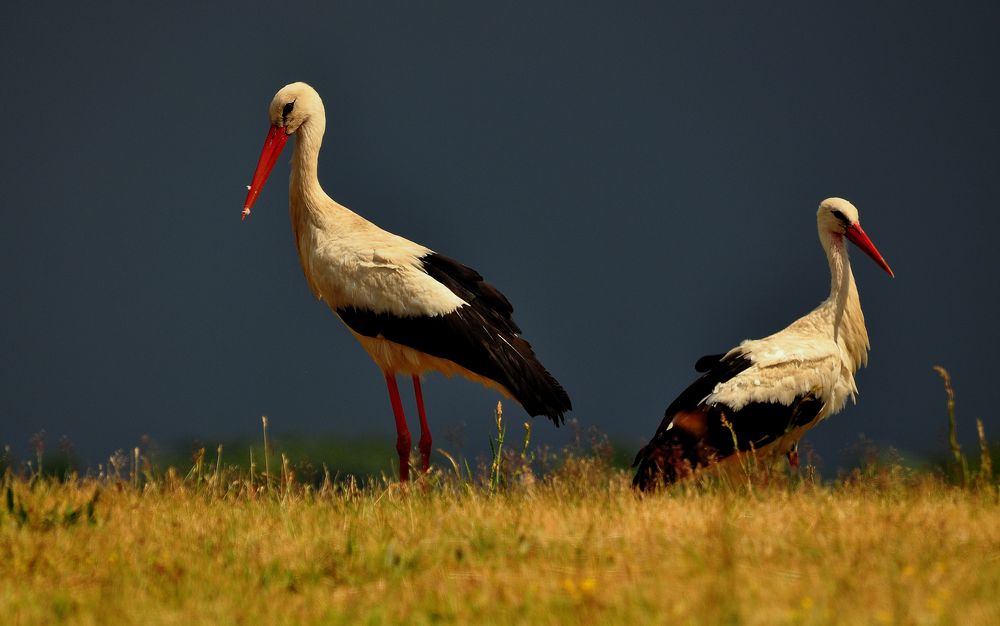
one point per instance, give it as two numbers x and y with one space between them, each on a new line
402 432
793 457
425 431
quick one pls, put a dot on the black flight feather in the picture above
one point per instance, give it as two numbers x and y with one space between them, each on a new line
699 437
480 336
707 362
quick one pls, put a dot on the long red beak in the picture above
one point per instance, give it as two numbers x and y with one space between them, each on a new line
273 145
858 237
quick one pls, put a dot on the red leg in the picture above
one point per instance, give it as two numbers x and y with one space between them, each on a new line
425 431
402 432
793 457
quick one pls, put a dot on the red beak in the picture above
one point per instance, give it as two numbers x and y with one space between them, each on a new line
861 240
273 145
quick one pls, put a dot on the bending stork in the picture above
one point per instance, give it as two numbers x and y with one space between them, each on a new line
412 310
770 391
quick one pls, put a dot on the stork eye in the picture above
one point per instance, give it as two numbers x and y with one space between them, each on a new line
287 109
840 216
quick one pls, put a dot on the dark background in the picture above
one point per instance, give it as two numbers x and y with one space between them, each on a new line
640 180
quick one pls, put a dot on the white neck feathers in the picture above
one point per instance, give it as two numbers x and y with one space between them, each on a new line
842 309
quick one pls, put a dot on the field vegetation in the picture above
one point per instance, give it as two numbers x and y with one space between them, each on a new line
526 537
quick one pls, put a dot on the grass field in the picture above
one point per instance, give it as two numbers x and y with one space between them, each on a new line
225 546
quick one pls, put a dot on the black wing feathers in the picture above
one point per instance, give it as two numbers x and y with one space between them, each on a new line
468 284
481 337
697 391
707 362
699 437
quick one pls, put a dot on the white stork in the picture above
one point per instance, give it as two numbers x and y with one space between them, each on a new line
772 390
413 310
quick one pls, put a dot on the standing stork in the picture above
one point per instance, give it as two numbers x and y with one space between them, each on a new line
764 394
412 310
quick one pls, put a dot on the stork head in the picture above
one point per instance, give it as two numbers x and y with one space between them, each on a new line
292 106
837 218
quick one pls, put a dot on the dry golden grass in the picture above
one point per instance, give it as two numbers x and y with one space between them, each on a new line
577 547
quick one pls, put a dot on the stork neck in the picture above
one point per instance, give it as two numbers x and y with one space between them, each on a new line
841 276
844 306
307 203
305 158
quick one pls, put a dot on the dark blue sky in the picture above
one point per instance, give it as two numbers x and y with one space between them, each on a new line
640 181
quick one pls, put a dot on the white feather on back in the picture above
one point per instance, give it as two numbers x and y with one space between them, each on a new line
369 268
783 369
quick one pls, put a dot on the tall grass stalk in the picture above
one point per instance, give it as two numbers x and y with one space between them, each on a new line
253 468
287 475
747 461
217 477
267 455
985 458
196 468
38 444
496 469
961 465
135 468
